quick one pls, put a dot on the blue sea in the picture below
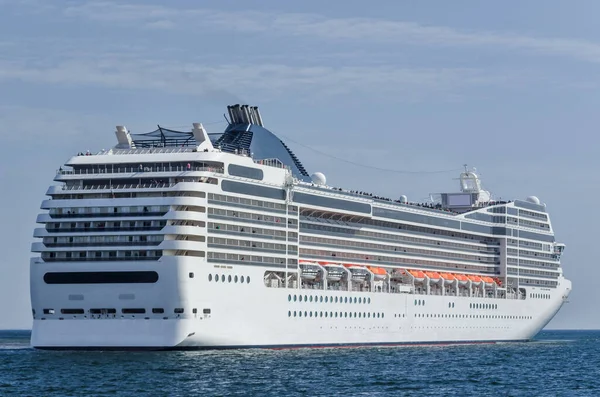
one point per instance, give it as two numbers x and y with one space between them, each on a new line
556 363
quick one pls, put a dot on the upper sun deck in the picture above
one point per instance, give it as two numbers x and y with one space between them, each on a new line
247 143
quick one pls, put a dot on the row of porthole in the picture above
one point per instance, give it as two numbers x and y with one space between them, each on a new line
229 278
420 315
483 306
540 296
327 299
334 314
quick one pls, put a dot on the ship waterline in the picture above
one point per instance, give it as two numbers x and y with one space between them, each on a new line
174 240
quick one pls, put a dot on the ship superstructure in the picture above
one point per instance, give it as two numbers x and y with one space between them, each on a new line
175 240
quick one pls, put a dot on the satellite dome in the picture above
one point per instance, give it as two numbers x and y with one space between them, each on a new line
533 199
403 199
318 178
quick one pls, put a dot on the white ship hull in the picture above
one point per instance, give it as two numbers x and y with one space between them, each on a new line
252 315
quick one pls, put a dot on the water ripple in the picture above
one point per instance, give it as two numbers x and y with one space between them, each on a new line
557 363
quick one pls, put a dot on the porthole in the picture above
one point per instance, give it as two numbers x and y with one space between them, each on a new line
305 313
242 279
359 300
320 299
235 279
248 279
294 313
229 278
325 314
210 277
354 299
289 298
354 314
294 298
449 304
336 314
320 314
377 315
311 298
326 299
216 278
453 304
289 314
359 315
310 314
346 299
336 299
305 298
222 278
300 314
369 300
415 302
345 314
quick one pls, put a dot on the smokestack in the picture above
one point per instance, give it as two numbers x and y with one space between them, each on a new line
258 116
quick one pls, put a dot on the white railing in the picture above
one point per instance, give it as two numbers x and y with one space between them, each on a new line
129 170
125 186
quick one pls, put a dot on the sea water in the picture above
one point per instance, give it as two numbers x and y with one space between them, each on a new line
556 363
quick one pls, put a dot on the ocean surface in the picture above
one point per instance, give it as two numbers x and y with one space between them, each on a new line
556 363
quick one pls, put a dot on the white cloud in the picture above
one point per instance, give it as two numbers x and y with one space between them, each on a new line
267 80
351 30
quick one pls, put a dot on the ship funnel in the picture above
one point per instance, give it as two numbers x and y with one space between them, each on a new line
258 117
124 140
238 114
231 115
244 114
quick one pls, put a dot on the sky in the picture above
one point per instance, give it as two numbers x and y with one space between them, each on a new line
384 96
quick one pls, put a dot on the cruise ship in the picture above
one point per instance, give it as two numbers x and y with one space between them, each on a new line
185 239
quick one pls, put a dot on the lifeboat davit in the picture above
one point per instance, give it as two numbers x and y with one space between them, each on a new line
358 272
418 275
334 272
308 270
379 272
398 274
448 278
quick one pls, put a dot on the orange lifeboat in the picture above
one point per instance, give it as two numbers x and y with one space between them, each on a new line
379 272
434 277
417 274
308 270
488 281
335 272
476 280
498 281
448 278
359 272
462 279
